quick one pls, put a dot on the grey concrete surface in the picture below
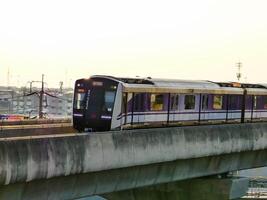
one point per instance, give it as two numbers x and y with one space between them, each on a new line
195 189
104 182
35 121
92 198
254 173
32 158
32 130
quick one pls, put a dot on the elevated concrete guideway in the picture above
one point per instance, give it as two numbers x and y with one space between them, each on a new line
99 163
31 127
36 129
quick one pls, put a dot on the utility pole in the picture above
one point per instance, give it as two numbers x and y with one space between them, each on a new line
41 99
8 77
31 87
239 74
61 86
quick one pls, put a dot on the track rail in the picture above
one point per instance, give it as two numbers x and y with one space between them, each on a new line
35 121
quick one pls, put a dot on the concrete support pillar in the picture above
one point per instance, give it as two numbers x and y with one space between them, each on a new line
197 189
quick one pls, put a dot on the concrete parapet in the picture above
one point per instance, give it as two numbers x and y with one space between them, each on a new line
28 159
34 130
35 121
112 181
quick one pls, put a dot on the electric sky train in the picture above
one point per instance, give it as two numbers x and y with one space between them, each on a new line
103 103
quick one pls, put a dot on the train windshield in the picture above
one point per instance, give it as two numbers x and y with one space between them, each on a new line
103 101
109 100
79 100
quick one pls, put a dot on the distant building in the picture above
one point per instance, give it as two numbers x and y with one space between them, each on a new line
60 106
6 97
58 102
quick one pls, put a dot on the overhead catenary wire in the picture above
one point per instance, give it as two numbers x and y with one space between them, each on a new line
16 97
33 93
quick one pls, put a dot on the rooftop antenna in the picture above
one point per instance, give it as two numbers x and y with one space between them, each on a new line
61 86
8 76
66 75
239 74
41 114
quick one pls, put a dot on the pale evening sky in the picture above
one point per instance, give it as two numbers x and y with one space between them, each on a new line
181 39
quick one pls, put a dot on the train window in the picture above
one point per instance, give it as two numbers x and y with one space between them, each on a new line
260 102
129 102
189 102
265 102
156 102
174 101
217 102
109 100
139 101
234 102
79 102
248 102
255 106
205 102
124 103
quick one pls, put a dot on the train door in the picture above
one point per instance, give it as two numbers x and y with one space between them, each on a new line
204 107
174 107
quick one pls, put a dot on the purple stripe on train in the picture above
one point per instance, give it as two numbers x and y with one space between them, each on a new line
142 102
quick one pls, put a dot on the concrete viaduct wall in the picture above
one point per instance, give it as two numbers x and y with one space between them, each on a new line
28 159
108 183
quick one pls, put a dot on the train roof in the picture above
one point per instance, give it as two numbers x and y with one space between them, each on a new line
242 85
264 85
176 88
162 82
156 85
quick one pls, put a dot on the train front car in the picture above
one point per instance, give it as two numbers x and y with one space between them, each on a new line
94 101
